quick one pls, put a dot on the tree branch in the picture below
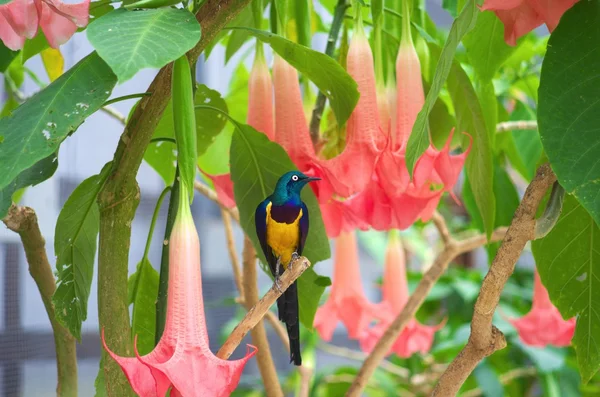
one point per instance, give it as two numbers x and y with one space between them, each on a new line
212 195
451 250
485 338
258 333
258 311
235 261
22 220
119 198
516 125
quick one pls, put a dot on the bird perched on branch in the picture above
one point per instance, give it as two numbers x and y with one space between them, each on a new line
282 226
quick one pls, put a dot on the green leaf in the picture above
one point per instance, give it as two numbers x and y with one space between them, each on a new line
237 38
75 247
35 45
37 128
143 292
478 166
419 138
257 163
37 173
488 380
523 148
6 56
321 69
569 106
450 6
184 121
130 41
568 261
486 47
161 155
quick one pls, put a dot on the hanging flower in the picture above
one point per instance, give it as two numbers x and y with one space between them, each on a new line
543 325
20 19
347 302
182 359
414 337
522 16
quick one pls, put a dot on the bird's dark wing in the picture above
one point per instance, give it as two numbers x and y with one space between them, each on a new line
260 221
303 229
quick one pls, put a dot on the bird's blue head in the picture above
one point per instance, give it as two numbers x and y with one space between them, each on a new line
289 186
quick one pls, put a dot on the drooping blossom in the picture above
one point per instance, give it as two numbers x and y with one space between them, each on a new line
522 16
182 358
543 325
415 337
20 20
347 302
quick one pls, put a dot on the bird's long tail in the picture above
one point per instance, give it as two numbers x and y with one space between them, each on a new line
287 306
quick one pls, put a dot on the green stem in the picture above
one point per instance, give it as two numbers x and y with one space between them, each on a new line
153 222
119 198
163 284
126 97
334 32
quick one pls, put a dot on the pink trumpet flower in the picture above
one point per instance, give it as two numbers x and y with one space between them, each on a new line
415 337
20 20
182 359
347 302
543 325
522 16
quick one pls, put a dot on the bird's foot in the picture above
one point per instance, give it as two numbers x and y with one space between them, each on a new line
278 284
295 256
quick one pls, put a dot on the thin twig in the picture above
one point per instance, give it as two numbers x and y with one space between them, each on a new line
305 377
451 250
258 311
235 260
516 125
212 195
356 355
258 333
115 114
23 220
485 338
504 379
440 224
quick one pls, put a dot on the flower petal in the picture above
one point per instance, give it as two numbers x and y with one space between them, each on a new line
22 16
260 97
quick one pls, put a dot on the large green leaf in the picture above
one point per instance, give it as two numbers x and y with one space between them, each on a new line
568 261
130 41
37 173
419 137
486 47
143 293
478 166
36 129
256 165
75 247
161 155
569 107
321 69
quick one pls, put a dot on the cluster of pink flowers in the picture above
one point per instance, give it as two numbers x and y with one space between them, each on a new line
21 19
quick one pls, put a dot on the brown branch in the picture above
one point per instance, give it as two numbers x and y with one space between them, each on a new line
22 220
485 338
305 376
212 195
516 125
451 250
119 198
257 312
356 355
114 113
235 261
440 224
258 333
504 379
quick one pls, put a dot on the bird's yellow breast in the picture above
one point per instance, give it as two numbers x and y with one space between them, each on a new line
283 238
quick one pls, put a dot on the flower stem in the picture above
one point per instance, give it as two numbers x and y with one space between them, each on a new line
153 222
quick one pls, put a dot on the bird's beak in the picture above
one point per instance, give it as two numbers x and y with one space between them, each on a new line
312 179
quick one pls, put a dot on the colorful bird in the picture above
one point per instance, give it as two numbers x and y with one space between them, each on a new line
282 226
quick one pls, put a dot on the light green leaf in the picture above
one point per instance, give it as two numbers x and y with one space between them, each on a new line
161 155
36 129
569 106
237 38
130 41
257 163
419 137
75 247
478 166
37 173
486 47
568 261
321 69
143 293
